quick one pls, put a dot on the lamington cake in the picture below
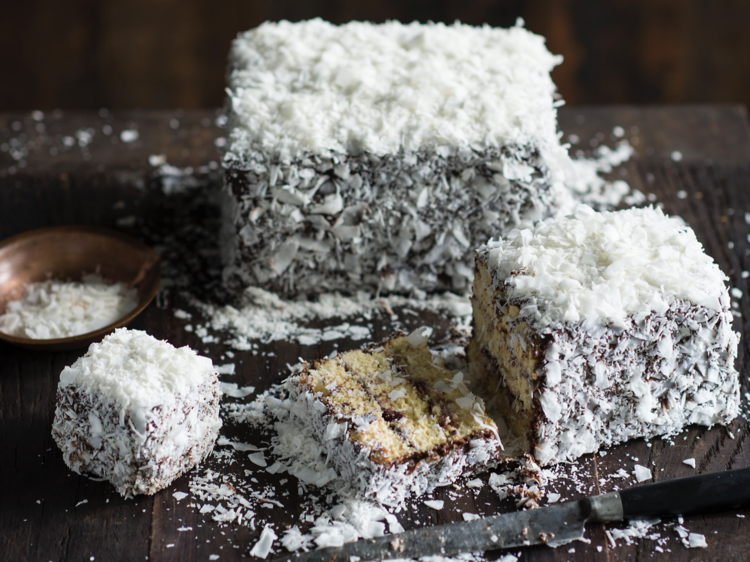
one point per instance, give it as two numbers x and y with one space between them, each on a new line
393 419
379 157
596 328
137 412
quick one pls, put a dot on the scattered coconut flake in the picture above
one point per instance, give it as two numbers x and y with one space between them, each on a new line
265 317
419 337
213 557
553 497
470 516
179 496
696 540
157 160
641 473
129 135
434 504
690 462
228 369
222 441
259 459
476 483
639 528
231 389
264 544
676 155
184 529
294 540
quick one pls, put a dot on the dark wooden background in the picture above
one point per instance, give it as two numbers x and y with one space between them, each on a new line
87 54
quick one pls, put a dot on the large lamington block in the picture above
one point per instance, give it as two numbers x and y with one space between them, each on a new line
394 420
137 412
601 327
379 156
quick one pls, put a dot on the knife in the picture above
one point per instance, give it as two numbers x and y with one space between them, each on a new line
555 525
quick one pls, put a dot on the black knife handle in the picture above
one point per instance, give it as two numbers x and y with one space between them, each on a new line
687 496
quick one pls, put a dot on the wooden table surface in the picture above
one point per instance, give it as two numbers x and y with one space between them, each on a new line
74 168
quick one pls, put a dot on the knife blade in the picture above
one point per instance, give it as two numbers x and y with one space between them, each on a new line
554 525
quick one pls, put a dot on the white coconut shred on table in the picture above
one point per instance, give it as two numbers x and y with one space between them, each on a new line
265 317
58 309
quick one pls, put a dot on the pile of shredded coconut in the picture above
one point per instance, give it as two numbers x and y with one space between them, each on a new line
315 86
133 368
55 309
601 268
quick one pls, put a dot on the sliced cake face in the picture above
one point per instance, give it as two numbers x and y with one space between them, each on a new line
137 412
394 419
602 327
380 156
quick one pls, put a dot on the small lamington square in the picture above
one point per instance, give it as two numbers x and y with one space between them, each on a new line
597 328
137 412
394 420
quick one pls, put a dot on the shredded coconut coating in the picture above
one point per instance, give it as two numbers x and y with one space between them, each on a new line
609 326
55 309
379 156
316 87
602 268
137 412
137 370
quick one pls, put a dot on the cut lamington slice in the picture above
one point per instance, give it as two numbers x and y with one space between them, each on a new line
378 156
137 412
394 420
601 327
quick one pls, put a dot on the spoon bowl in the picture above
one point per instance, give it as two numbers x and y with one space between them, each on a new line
66 253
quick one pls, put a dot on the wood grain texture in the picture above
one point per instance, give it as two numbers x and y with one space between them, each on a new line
49 513
85 54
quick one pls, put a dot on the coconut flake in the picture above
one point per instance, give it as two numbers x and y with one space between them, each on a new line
434 504
55 309
641 473
231 389
258 458
419 337
264 544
